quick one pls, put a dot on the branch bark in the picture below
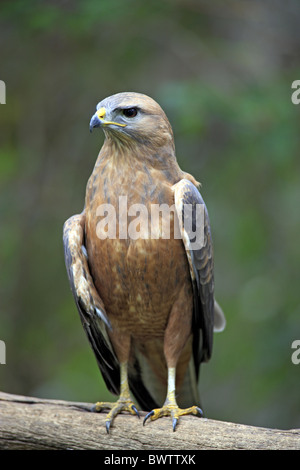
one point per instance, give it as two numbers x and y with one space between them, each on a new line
33 423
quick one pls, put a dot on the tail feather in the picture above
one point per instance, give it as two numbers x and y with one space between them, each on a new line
188 394
148 390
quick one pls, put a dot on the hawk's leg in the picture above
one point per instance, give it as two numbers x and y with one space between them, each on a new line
170 407
124 403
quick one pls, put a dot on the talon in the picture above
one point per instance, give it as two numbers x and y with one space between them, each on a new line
200 412
135 410
174 423
107 425
148 416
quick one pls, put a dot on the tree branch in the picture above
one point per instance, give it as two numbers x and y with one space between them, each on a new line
32 423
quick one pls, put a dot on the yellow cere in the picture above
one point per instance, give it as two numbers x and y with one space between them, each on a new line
101 113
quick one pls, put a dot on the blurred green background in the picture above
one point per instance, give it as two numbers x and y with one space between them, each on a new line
223 73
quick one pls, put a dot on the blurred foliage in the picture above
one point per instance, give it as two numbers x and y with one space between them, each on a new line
223 72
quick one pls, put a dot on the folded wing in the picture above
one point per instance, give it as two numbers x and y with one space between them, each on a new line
89 304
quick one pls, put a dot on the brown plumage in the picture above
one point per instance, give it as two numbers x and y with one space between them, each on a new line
146 303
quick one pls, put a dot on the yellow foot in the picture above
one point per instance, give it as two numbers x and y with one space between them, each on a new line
174 411
123 404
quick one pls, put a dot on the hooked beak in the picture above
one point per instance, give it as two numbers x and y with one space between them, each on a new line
94 122
99 121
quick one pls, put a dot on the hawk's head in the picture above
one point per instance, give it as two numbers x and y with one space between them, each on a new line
133 116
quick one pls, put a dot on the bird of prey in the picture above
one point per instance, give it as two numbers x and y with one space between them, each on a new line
146 300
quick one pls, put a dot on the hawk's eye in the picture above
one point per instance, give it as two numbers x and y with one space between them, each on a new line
130 112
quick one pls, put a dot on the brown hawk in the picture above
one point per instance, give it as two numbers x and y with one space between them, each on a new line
146 300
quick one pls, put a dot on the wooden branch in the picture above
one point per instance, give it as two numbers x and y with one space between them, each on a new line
32 423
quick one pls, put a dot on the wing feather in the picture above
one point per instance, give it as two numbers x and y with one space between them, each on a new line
89 304
196 235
